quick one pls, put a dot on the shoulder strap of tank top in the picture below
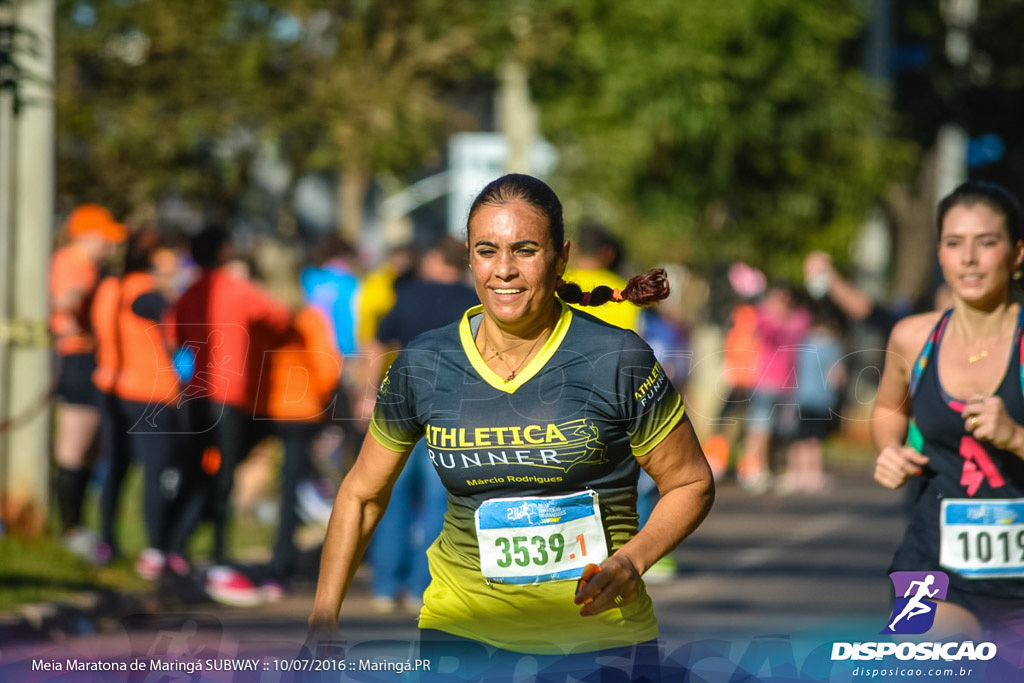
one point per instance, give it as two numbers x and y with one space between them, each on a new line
1019 345
922 358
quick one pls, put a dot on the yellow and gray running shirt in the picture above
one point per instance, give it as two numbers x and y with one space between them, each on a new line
541 474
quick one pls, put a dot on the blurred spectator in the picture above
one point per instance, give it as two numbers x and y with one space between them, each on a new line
74 275
173 273
214 321
141 423
377 290
739 371
330 284
436 296
669 338
293 379
596 255
781 326
823 280
820 376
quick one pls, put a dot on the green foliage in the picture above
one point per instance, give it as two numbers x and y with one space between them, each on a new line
143 92
721 130
157 98
703 131
42 570
39 570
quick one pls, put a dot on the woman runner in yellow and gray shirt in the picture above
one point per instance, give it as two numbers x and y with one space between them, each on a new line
538 419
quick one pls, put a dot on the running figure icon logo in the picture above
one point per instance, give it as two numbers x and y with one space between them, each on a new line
913 611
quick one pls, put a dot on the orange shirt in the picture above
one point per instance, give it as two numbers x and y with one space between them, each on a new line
216 319
741 348
132 360
71 268
146 373
104 323
296 378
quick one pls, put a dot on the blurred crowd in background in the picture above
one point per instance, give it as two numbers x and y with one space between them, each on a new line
240 382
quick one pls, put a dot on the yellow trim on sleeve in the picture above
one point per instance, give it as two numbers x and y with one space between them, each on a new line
386 441
674 417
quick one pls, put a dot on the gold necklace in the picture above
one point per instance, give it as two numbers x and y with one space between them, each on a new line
973 358
500 354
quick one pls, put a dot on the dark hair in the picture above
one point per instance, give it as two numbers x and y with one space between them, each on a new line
994 196
517 187
452 251
139 248
595 240
641 290
208 245
330 247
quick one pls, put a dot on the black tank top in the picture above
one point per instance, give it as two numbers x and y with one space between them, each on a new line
964 469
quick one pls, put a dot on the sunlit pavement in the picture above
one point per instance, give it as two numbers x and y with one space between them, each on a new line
772 563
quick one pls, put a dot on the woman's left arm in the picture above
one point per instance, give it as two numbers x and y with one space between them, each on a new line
687 490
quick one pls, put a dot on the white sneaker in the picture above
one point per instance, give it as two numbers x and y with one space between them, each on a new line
82 542
272 591
150 564
756 484
314 506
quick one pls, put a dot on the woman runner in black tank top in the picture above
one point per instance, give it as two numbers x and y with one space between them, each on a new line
964 391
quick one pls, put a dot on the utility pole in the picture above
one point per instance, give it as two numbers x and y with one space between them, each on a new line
27 440
8 89
517 117
516 114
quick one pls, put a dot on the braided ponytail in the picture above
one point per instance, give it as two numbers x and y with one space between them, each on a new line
641 290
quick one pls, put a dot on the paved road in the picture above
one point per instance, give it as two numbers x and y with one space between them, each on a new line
786 564
758 565
804 569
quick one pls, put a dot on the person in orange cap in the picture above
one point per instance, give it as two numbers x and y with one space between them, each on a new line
92 236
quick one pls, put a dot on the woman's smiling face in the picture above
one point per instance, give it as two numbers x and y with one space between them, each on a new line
975 252
515 264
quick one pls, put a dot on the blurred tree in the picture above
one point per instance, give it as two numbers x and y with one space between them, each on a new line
732 129
984 96
700 131
145 91
180 98
364 87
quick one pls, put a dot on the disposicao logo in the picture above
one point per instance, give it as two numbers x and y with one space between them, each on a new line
913 611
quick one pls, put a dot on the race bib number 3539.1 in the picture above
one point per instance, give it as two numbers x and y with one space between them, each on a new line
539 538
983 539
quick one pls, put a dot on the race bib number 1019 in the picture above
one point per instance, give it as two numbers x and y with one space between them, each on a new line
983 539
539 538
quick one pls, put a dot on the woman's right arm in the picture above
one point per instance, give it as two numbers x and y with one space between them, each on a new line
890 417
358 507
